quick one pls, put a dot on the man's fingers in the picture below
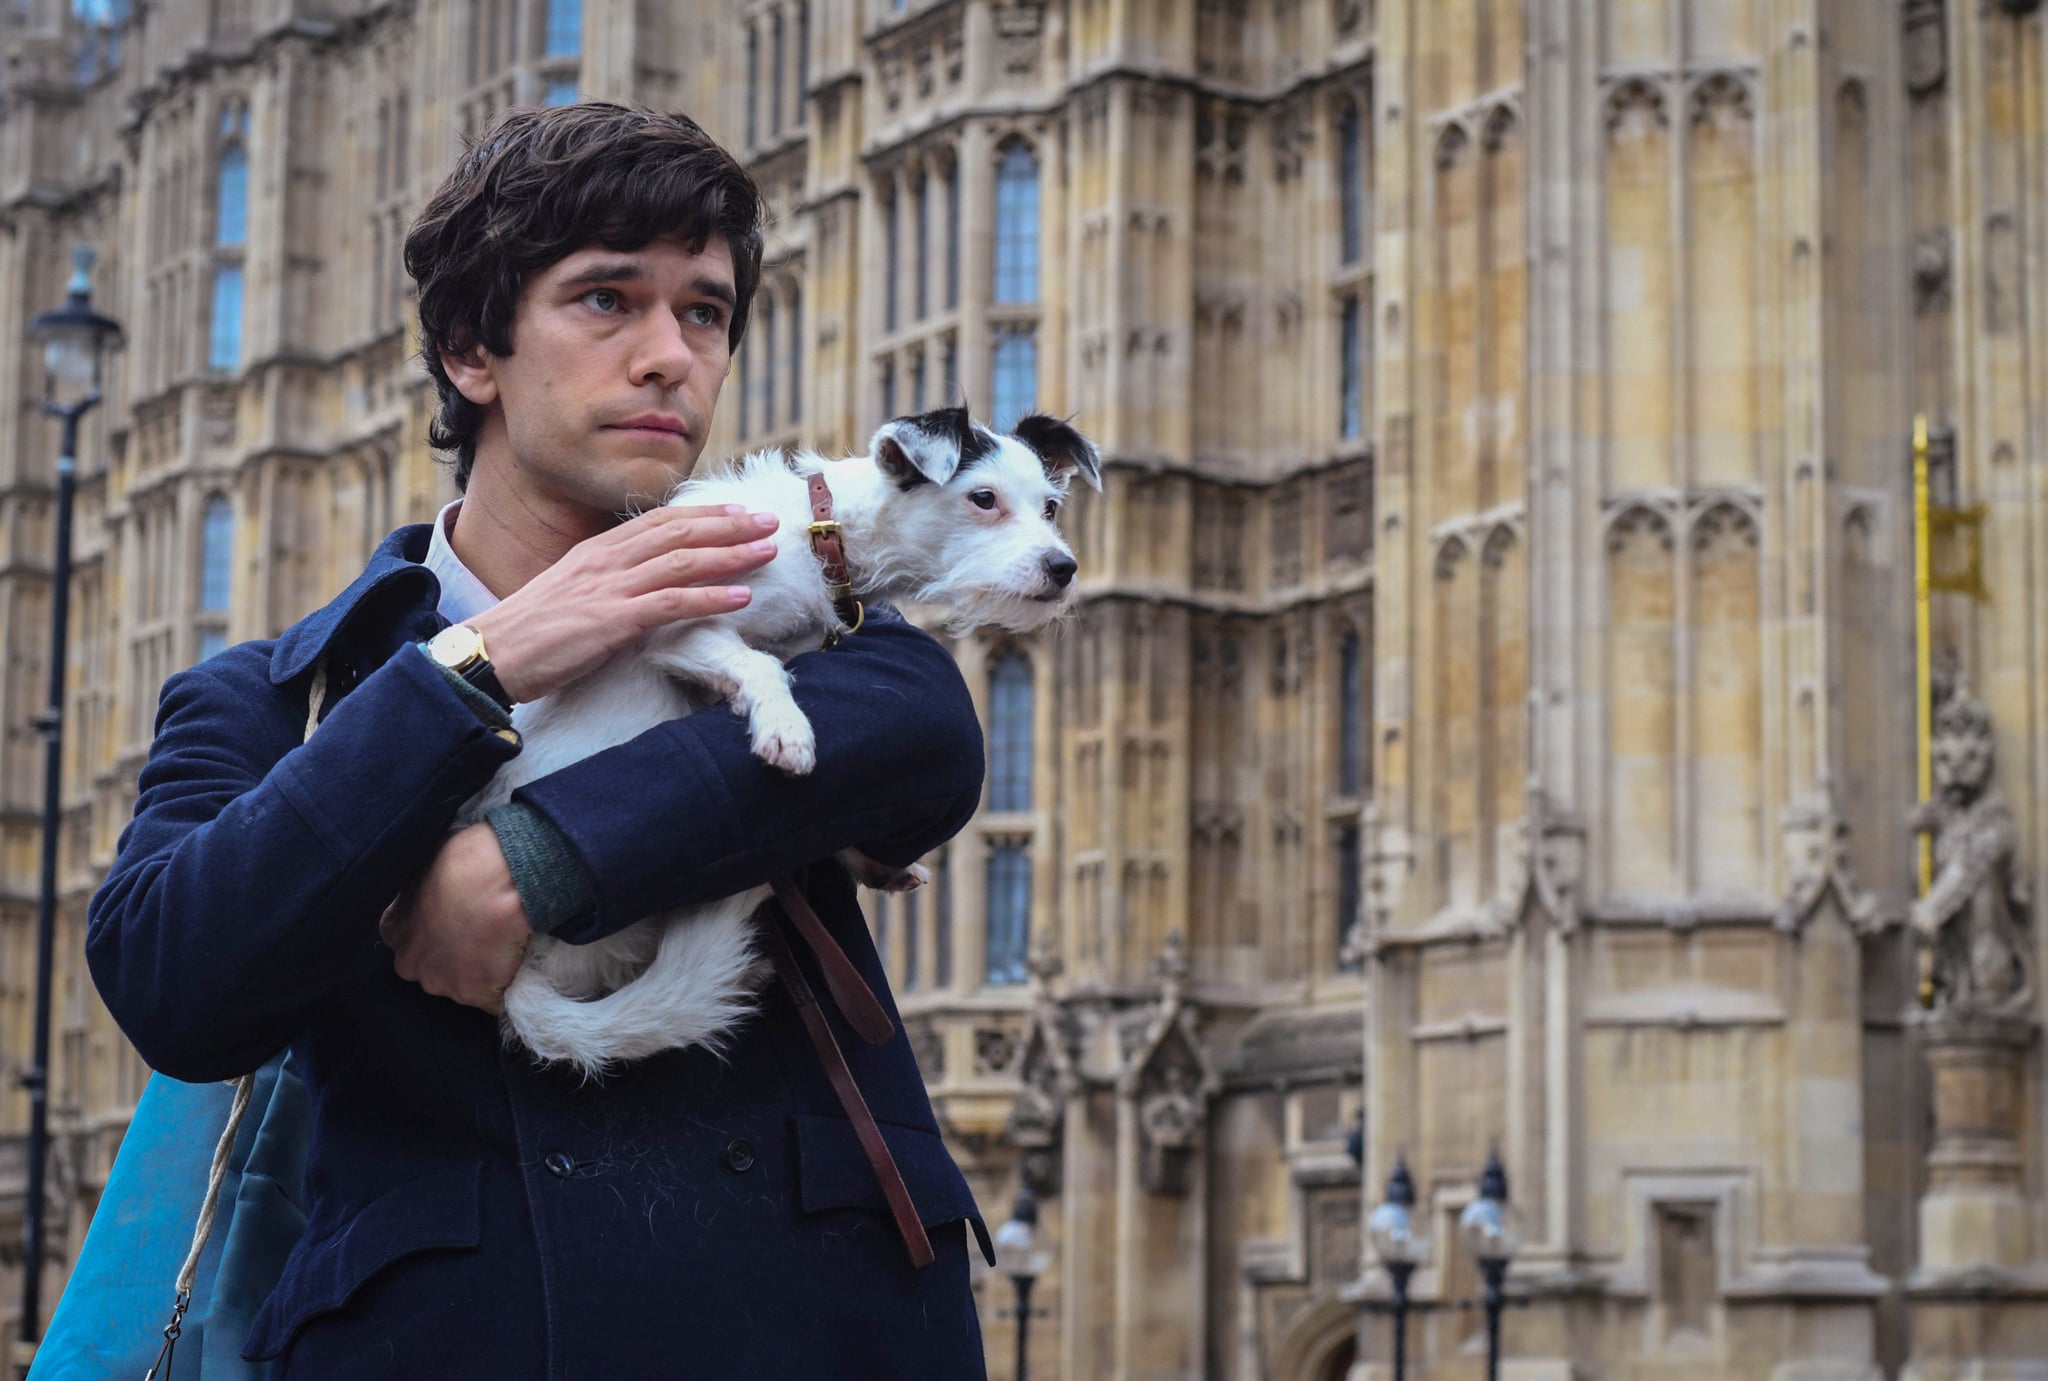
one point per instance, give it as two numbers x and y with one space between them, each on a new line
699 566
672 604
703 533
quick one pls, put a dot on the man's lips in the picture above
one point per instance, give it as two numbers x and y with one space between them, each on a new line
651 425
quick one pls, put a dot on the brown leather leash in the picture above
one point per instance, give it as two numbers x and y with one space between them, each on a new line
853 995
828 544
850 992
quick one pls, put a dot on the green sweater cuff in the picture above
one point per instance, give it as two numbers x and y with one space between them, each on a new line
549 877
487 709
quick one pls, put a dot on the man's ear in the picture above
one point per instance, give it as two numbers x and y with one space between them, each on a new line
1062 449
472 374
909 455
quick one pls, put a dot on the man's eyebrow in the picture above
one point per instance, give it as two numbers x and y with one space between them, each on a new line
709 286
605 271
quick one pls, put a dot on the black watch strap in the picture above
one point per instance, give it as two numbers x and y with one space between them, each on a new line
484 677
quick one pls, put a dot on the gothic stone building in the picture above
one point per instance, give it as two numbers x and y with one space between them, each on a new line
1491 713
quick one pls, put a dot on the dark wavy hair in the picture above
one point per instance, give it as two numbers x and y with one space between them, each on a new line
539 185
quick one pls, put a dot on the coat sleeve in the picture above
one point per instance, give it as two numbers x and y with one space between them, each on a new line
686 813
256 868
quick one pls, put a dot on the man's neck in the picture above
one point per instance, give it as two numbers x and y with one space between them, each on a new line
507 536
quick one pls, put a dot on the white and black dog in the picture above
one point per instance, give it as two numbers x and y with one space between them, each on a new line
941 511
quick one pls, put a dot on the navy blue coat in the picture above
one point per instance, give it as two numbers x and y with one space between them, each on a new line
469 1213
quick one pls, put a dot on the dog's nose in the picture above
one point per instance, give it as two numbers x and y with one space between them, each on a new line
1061 568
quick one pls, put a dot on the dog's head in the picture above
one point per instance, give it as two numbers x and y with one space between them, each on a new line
972 517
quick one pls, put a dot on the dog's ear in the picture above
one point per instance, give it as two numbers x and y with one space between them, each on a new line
909 453
1061 448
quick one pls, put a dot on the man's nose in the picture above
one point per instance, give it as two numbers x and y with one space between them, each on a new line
1060 568
662 355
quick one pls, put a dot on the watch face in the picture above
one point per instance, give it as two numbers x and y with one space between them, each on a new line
456 647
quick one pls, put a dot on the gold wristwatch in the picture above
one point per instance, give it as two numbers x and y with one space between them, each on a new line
460 648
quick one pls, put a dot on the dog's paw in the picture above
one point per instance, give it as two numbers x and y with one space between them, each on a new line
903 879
785 739
880 876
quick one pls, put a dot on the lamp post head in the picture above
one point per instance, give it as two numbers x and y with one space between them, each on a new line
75 339
1391 1226
1488 1224
1016 1242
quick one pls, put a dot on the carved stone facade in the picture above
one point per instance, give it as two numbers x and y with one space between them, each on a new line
1489 711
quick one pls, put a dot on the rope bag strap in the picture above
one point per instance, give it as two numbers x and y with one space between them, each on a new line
224 1149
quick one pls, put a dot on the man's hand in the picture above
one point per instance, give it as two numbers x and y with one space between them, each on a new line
462 931
665 565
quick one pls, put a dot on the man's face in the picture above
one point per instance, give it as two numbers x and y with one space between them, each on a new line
617 358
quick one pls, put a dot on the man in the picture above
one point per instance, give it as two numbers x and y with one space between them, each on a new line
584 274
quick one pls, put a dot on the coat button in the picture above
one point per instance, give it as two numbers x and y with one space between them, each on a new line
560 1164
739 1157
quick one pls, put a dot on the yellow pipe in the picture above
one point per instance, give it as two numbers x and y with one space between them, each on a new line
1923 679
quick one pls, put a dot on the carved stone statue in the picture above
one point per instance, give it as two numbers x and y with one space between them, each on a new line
1169 1121
1975 914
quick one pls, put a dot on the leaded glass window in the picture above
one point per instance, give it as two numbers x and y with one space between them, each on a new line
1349 910
1009 912
225 349
1017 225
796 353
231 225
565 28
1351 185
1350 709
1010 715
1015 367
216 555
1351 383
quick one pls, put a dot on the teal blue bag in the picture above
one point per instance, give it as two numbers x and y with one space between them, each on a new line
111 1319
125 1311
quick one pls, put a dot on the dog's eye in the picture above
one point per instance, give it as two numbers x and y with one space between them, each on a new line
1052 509
983 498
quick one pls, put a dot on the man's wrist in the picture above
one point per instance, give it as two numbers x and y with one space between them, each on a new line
546 872
487 709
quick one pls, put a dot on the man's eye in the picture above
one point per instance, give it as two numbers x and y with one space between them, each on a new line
703 314
604 299
983 498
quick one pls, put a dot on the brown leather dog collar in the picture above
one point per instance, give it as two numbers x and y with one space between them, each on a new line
828 544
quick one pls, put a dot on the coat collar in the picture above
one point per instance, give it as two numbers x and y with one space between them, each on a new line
394 572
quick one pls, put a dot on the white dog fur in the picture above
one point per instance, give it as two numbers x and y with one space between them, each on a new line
978 538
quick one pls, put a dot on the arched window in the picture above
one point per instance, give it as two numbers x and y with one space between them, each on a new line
1350 710
1350 185
1010 694
216 555
1017 224
565 28
231 225
1014 387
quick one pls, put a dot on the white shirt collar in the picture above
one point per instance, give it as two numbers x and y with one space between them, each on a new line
463 596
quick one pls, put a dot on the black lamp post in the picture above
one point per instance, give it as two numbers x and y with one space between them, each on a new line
1391 1230
1488 1227
75 339
1019 1257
